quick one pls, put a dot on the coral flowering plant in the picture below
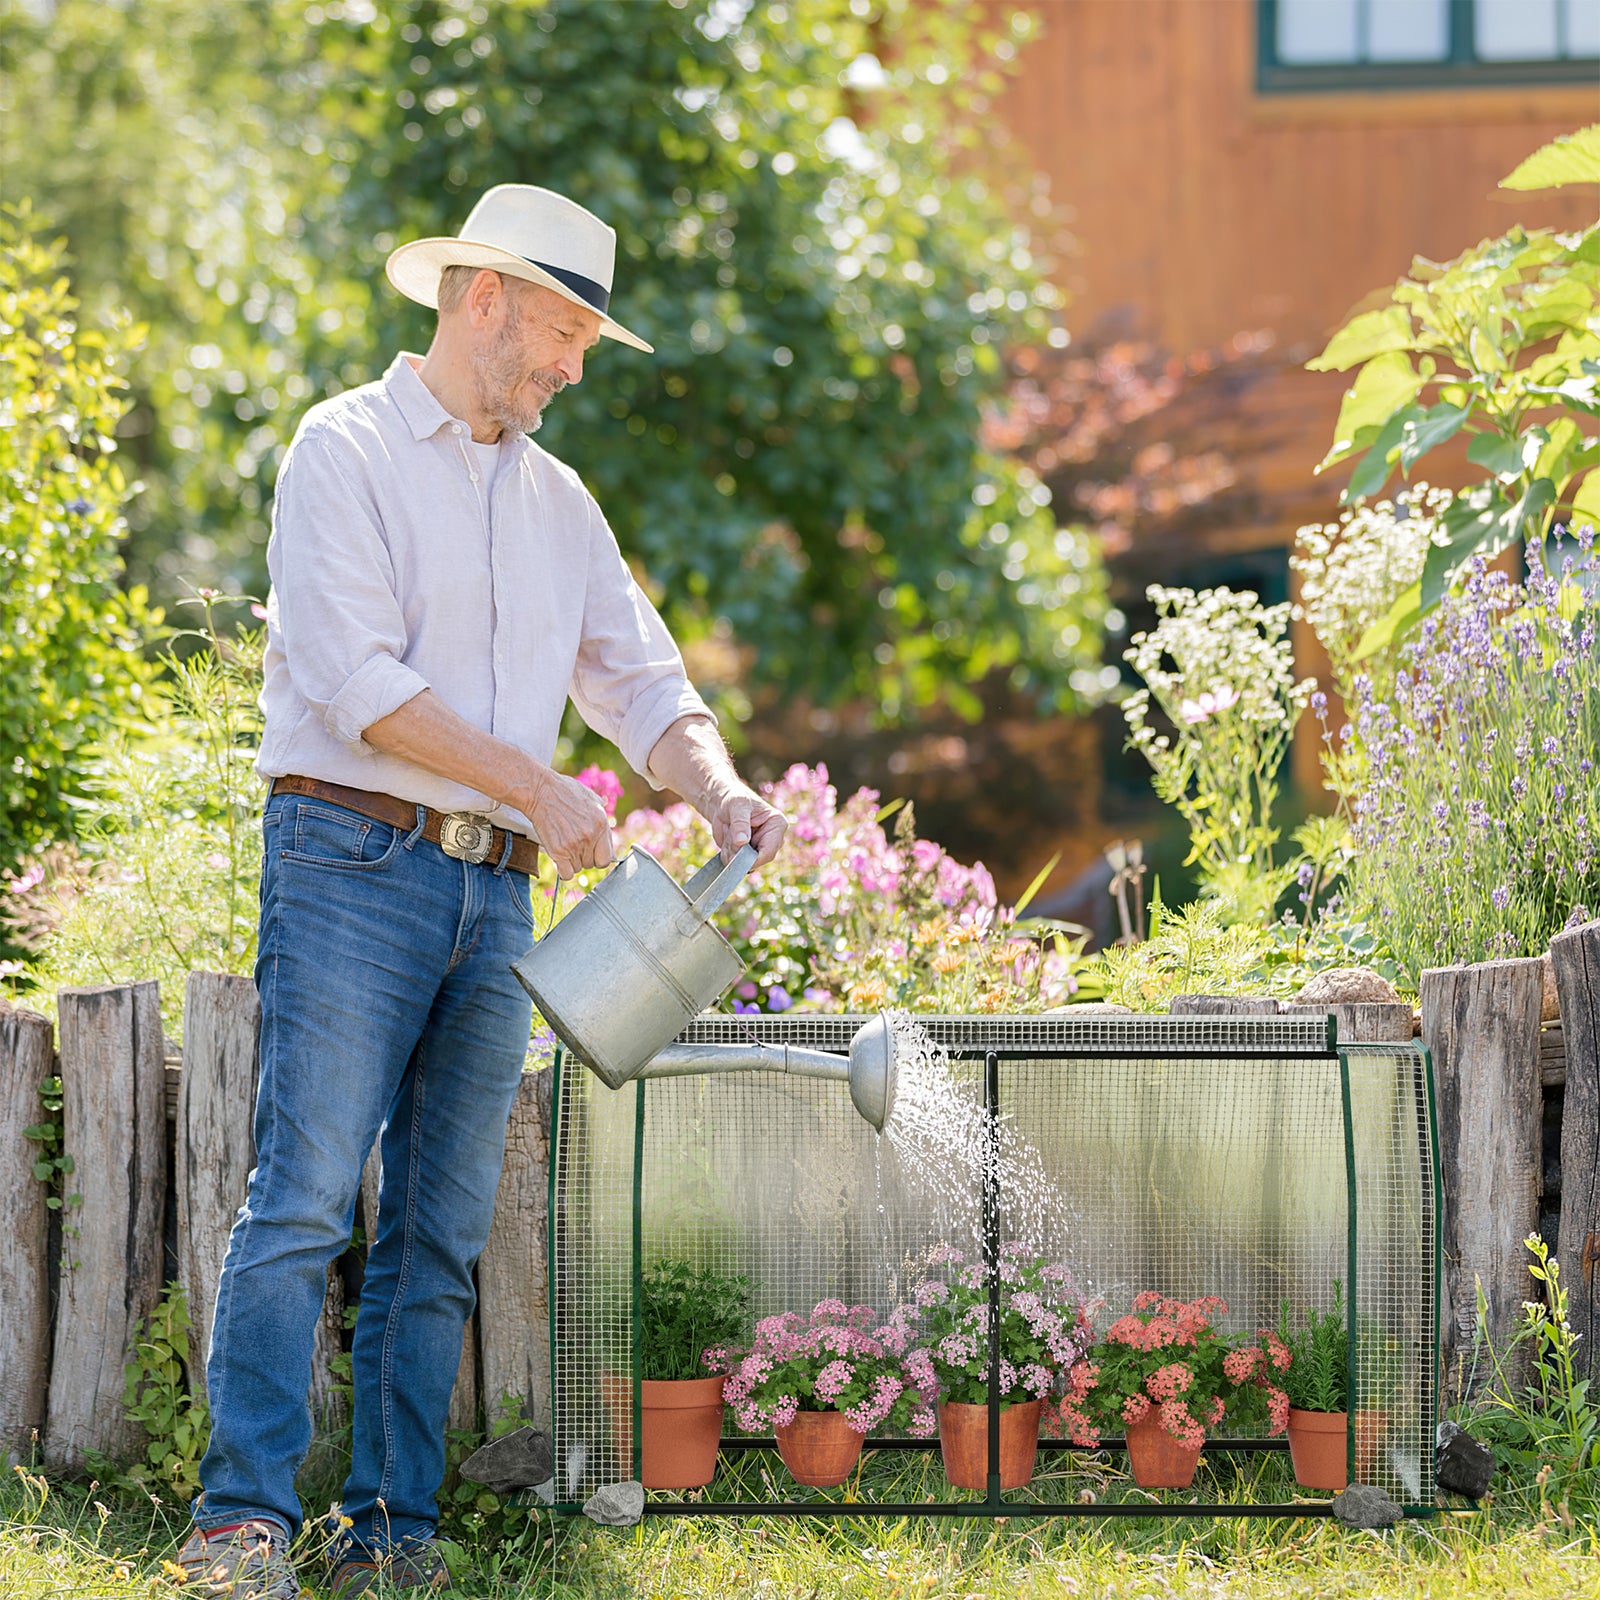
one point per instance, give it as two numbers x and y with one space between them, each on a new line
1042 1328
840 1358
1167 1357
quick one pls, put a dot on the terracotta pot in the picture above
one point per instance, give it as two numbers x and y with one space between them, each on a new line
1370 1429
1317 1448
819 1448
1156 1459
964 1443
680 1428
616 1395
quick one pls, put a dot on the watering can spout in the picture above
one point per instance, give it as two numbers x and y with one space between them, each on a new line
869 1070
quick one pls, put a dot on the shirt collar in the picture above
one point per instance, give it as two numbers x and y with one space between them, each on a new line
419 406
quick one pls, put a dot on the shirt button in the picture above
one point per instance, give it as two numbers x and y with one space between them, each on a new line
474 477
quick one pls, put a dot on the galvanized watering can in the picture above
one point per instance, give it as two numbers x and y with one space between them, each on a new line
635 961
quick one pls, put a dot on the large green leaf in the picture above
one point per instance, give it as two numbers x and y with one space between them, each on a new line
1502 456
1434 426
1387 384
1586 502
1372 471
1573 158
1386 630
1373 333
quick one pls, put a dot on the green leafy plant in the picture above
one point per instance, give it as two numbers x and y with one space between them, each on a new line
1544 1428
1318 1375
72 641
171 852
1502 344
54 1164
176 1420
685 1310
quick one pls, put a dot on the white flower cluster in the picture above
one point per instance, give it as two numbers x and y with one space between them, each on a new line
1227 653
1352 571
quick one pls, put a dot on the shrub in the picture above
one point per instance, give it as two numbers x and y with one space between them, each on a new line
71 642
1318 1376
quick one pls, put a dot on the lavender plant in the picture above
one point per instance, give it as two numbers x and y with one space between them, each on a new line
1219 668
1478 825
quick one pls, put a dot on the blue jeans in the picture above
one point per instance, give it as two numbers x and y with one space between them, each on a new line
387 1006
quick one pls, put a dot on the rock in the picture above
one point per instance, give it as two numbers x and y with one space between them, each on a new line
517 1460
1362 1506
1550 1007
616 1505
1463 1466
1348 986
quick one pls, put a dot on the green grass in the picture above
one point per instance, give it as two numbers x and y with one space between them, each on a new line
68 1541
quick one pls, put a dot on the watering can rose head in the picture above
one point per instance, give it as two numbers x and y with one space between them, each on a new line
1167 1358
839 1358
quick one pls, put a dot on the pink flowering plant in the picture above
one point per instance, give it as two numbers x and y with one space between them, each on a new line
1168 1358
840 1358
859 915
1042 1327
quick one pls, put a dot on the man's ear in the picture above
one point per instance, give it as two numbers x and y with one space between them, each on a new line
483 293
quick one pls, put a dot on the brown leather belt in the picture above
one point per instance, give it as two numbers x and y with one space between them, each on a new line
463 834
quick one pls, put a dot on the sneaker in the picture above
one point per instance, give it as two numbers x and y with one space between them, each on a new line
417 1564
247 1562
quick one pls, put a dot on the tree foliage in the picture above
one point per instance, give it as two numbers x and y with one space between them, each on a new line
809 234
70 639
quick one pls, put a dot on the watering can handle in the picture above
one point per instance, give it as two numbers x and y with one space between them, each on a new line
713 883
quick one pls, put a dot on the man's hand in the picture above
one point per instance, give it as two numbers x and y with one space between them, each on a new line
568 820
738 817
690 758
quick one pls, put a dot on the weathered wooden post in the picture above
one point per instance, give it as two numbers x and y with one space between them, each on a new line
513 1280
27 1052
113 1087
214 1148
1481 1023
1576 958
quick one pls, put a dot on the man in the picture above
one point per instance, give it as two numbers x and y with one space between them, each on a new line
440 586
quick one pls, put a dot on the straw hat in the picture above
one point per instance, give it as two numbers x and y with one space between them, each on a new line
529 233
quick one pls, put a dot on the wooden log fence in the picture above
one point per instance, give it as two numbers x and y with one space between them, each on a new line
72 1311
1576 958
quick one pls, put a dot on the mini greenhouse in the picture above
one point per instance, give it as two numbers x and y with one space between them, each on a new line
1255 1159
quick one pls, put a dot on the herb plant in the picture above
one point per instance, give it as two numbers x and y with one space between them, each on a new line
1318 1376
684 1311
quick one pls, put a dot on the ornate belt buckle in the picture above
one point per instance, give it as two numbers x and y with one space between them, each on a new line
467 836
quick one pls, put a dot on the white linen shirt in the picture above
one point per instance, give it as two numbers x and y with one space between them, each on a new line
391 575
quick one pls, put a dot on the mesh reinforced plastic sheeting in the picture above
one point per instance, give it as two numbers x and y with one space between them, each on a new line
1194 1156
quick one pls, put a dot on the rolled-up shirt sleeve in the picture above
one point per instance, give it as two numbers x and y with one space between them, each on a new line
629 683
344 633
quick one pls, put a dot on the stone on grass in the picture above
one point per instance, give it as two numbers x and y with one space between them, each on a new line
1362 1506
1463 1466
616 1505
518 1460
1348 986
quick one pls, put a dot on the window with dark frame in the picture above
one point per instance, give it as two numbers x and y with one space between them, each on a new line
1305 45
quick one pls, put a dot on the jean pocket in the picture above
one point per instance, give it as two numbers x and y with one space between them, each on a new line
519 887
331 836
